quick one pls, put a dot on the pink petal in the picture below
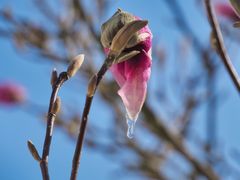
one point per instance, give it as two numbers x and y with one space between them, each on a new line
226 10
132 76
118 70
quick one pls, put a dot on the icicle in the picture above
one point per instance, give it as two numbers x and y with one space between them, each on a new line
131 125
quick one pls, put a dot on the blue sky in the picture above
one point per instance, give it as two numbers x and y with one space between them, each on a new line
17 125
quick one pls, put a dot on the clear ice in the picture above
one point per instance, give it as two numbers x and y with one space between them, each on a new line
131 125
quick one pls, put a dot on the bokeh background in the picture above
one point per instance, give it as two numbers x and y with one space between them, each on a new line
188 128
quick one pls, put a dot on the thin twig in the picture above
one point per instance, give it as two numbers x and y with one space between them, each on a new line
50 123
89 97
220 45
82 14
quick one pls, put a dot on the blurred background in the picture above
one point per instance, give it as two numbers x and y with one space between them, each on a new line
189 125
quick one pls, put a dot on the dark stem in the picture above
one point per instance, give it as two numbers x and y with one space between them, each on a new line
50 123
220 45
77 154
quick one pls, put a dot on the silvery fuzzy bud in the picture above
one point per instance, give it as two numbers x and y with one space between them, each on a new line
75 65
54 77
124 35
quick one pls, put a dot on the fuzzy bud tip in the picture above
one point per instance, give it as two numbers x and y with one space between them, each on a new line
54 76
122 37
75 65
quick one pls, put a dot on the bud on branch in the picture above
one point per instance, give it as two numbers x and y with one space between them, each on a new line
92 86
33 151
75 65
56 106
122 37
54 77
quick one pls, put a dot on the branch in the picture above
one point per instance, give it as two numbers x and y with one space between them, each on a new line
82 14
220 45
56 83
161 130
50 123
54 107
93 84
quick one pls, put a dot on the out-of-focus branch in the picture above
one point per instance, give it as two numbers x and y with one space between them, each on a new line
190 105
158 127
188 31
211 113
45 9
82 14
220 45
183 26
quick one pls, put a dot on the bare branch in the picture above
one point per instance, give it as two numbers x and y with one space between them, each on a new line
220 45
50 123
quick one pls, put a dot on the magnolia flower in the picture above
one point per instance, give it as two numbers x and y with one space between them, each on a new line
131 74
11 93
226 10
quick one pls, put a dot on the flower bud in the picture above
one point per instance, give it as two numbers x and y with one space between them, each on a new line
226 10
54 76
56 106
33 151
75 65
236 6
92 86
118 34
122 37
11 93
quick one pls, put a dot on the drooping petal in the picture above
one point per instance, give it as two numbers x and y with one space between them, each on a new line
133 91
132 74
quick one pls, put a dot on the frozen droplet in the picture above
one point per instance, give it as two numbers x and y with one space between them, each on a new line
131 125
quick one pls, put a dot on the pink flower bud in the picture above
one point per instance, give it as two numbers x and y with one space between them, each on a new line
226 10
132 74
11 93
